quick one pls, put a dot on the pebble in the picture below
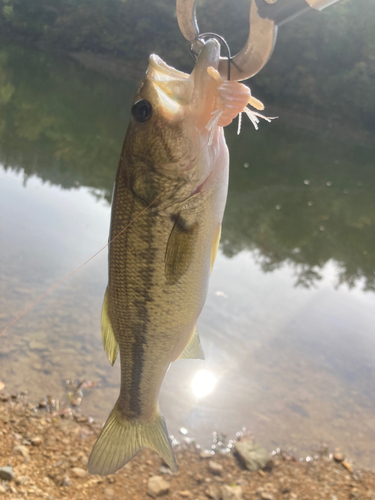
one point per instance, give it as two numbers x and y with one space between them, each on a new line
22 480
66 481
2 386
2 489
215 468
199 478
36 346
213 492
157 486
266 496
165 470
4 397
22 450
231 492
253 455
76 401
354 494
347 466
109 492
184 494
339 457
36 441
6 473
205 454
78 472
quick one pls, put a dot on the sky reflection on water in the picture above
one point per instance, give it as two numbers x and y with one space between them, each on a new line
288 327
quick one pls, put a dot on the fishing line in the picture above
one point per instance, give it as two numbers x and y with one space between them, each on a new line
78 268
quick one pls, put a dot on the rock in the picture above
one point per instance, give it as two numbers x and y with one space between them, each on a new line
347 466
231 492
78 472
157 486
36 346
354 494
184 494
36 441
66 481
252 455
109 492
199 478
2 386
165 470
76 401
6 473
213 492
339 457
22 479
22 450
4 397
205 454
215 468
111 479
266 496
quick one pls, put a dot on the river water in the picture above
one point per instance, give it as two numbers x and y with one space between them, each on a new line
289 324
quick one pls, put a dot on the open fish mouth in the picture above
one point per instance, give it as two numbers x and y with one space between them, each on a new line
177 89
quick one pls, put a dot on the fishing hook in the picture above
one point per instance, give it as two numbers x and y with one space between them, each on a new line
265 17
220 39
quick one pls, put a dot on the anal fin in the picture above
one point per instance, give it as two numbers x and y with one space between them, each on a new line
194 348
215 247
109 341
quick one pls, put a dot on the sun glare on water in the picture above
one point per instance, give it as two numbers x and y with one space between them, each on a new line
203 383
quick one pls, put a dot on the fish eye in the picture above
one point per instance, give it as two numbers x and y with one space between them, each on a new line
142 111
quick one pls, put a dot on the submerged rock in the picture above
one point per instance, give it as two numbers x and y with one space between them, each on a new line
215 468
339 457
231 492
157 486
253 455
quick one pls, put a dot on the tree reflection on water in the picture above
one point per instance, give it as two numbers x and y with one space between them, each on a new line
295 197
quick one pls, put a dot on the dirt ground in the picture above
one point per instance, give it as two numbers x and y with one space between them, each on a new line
48 454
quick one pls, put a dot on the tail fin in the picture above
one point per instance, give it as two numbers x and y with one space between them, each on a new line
120 440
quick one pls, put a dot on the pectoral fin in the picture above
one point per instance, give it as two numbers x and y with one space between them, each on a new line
194 348
109 342
215 247
179 251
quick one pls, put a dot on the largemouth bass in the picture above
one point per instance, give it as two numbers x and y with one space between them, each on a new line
174 163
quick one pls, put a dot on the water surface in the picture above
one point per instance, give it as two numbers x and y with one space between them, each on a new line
289 325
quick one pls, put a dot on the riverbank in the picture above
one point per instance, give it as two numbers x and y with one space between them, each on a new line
44 455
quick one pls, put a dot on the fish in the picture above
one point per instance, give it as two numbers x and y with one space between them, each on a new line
172 181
